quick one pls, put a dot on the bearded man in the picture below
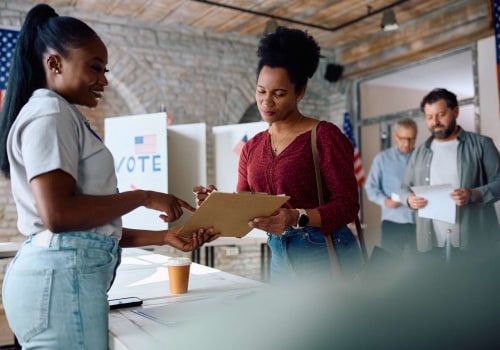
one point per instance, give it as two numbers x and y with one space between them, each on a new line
470 163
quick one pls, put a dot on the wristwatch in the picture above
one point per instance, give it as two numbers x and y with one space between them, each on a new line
302 220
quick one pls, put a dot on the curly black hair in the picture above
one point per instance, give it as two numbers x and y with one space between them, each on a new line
292 49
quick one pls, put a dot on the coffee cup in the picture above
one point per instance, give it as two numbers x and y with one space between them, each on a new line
178 274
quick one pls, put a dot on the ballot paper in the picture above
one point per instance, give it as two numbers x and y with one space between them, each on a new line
439 206
395 197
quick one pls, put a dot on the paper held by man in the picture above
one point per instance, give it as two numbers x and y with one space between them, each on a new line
229 213
439 206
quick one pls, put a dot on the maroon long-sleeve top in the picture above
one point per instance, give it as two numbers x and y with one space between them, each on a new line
292 173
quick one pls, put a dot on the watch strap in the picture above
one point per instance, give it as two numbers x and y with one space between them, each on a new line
301 213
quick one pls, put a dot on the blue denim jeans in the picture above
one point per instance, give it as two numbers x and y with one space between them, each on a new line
56 297
303 253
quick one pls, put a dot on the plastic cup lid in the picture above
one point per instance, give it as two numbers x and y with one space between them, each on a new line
178 261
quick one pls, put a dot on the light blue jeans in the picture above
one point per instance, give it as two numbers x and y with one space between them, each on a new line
302 253
56 297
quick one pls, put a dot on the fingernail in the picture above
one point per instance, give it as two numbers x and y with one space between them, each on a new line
250 223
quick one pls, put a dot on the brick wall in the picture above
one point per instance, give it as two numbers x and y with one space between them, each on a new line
197 76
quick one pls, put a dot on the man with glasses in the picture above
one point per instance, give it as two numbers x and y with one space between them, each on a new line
383 185
471 164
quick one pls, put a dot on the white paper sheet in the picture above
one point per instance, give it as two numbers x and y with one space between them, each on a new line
395 197
439 206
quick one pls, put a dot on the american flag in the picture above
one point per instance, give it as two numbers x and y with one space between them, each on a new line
8 39
239 146
358 167
145 144
496 12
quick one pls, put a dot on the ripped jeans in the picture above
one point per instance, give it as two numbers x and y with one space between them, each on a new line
56 297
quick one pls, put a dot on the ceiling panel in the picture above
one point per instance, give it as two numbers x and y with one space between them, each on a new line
348 30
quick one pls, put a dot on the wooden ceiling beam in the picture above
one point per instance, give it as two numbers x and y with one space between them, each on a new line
425 37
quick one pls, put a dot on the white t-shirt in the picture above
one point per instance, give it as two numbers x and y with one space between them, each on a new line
49 134
444 170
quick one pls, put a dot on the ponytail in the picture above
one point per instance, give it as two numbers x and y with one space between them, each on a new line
42 29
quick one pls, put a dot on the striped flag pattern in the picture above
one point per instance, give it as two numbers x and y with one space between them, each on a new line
145 144
358 166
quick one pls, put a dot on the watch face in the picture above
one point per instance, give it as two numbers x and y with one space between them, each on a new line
303 220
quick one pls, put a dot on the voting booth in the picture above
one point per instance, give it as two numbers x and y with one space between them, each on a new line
150 155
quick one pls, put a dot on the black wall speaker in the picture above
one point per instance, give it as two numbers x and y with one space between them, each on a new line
333 72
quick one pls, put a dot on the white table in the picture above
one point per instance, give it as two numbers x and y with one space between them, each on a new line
143 274
9 249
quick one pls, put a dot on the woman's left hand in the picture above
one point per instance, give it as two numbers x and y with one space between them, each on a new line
187 244
276 223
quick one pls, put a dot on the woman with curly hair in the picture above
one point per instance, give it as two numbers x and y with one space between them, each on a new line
279 161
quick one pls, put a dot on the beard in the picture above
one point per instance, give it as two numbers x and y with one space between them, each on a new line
446 132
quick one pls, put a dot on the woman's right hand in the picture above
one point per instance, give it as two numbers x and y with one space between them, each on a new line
170 205
202 193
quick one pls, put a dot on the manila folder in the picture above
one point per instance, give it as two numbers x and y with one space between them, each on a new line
229 213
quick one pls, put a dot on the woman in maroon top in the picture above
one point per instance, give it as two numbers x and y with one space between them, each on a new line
279 161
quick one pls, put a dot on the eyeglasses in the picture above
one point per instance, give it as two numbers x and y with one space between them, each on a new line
406 139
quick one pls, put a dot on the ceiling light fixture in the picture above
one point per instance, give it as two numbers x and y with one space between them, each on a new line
389 21
290 20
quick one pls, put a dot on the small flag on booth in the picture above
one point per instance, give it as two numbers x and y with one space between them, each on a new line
145 144
8 39
358 166
239 146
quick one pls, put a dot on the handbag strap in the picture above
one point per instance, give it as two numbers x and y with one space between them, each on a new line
328 238
319 185
361 239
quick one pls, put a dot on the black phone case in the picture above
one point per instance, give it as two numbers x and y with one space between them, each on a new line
124 302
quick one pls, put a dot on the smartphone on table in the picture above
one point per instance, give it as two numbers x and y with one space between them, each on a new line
124 302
